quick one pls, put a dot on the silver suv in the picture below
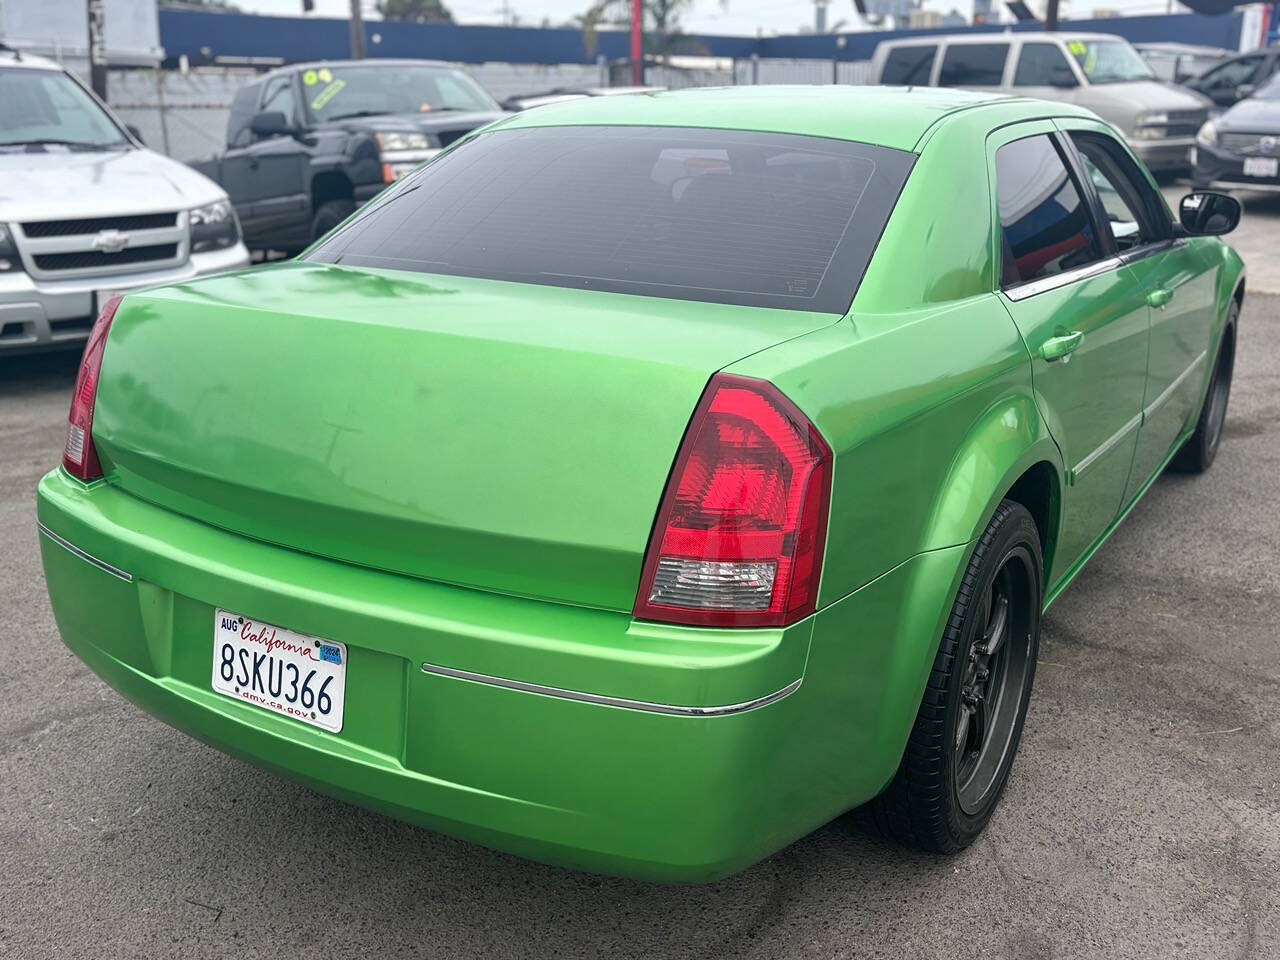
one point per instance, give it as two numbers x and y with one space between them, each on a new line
86 211
1095 70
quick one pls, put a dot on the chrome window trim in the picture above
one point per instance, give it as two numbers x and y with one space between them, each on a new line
1031 288
1105 446
85 555
1168 391
603 700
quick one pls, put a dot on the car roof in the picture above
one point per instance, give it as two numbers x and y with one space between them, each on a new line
29 61
998 37
887 116
376 62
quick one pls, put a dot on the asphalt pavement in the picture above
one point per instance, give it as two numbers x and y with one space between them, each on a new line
1142 818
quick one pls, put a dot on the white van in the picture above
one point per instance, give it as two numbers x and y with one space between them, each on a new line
87 211
1095 70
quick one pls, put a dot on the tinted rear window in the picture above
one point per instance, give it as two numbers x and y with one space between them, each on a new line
973 65
908 65
728 216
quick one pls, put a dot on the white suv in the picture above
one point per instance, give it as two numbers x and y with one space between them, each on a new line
86 211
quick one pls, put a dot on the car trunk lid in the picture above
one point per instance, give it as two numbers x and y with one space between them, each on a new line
511 437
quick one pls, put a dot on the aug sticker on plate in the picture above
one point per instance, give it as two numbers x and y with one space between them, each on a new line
279 670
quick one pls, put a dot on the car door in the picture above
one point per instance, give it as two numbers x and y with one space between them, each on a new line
1222 83
1043 70
1083 316
1178 285
266 178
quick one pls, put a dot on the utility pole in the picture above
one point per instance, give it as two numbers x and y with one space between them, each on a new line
1051 15
637 42
357 32
97 48
820 16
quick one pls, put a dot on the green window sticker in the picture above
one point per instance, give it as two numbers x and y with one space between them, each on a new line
310 78
327 94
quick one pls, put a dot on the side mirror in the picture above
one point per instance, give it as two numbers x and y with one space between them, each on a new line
269 123
1063 79
1245 91
135 133
1205 214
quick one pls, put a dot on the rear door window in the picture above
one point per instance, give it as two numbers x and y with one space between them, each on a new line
727 216
973 65
906 66
1045 224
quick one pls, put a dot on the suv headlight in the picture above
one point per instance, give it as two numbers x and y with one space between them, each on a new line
213 226
391 141
9 260
1153 119
1207 135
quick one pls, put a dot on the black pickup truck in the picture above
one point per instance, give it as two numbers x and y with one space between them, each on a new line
308 143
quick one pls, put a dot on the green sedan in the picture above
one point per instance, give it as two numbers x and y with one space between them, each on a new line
645 481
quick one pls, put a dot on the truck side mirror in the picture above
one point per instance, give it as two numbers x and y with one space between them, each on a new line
269 123
1205 214
1244 91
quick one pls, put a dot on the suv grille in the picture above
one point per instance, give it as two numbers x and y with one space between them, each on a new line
1250 143
84 259
70 228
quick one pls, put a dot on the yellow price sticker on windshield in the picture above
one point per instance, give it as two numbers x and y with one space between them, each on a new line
1077 47
326 76
310 78
327 94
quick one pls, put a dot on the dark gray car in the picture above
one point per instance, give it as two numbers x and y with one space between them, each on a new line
1241 148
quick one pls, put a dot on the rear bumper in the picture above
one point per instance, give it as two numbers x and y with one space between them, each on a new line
568 735
47 314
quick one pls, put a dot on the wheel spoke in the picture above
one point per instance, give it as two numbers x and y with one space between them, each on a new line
996 629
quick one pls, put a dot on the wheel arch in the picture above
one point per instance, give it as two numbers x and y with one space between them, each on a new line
329 185
1008 454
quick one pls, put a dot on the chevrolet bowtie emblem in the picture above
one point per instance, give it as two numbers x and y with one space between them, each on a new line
110 241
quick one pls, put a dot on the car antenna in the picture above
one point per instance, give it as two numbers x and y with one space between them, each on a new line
17 54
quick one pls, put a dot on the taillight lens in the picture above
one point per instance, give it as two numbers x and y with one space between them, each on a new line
79 456
743 521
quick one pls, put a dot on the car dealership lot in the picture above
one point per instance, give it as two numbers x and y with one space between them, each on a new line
1142 819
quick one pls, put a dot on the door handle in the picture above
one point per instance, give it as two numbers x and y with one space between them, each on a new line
1159 297
1055 348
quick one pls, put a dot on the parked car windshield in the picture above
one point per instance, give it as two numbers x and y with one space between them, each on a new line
728 216
333 93
47 109
1109 61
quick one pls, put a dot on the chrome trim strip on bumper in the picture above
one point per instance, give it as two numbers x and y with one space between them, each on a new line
1159 401
83 555
623 702
1138 419
1106 445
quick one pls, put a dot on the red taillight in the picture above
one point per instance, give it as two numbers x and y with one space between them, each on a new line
79 456
742 525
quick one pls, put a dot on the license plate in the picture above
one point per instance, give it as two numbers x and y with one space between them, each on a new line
279 670
1261 166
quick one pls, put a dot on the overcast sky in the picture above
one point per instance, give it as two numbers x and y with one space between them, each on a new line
708 16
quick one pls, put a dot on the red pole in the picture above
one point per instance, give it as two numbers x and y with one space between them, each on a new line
637 47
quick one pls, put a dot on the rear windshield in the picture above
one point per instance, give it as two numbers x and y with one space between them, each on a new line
727 216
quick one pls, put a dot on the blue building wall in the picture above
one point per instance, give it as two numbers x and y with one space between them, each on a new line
204 36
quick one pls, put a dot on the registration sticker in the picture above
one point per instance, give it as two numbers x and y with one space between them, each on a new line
288 673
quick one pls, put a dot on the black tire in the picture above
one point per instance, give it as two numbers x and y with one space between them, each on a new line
1198 453
329 215
947 786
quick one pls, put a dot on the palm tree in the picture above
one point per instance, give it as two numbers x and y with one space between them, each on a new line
663 35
